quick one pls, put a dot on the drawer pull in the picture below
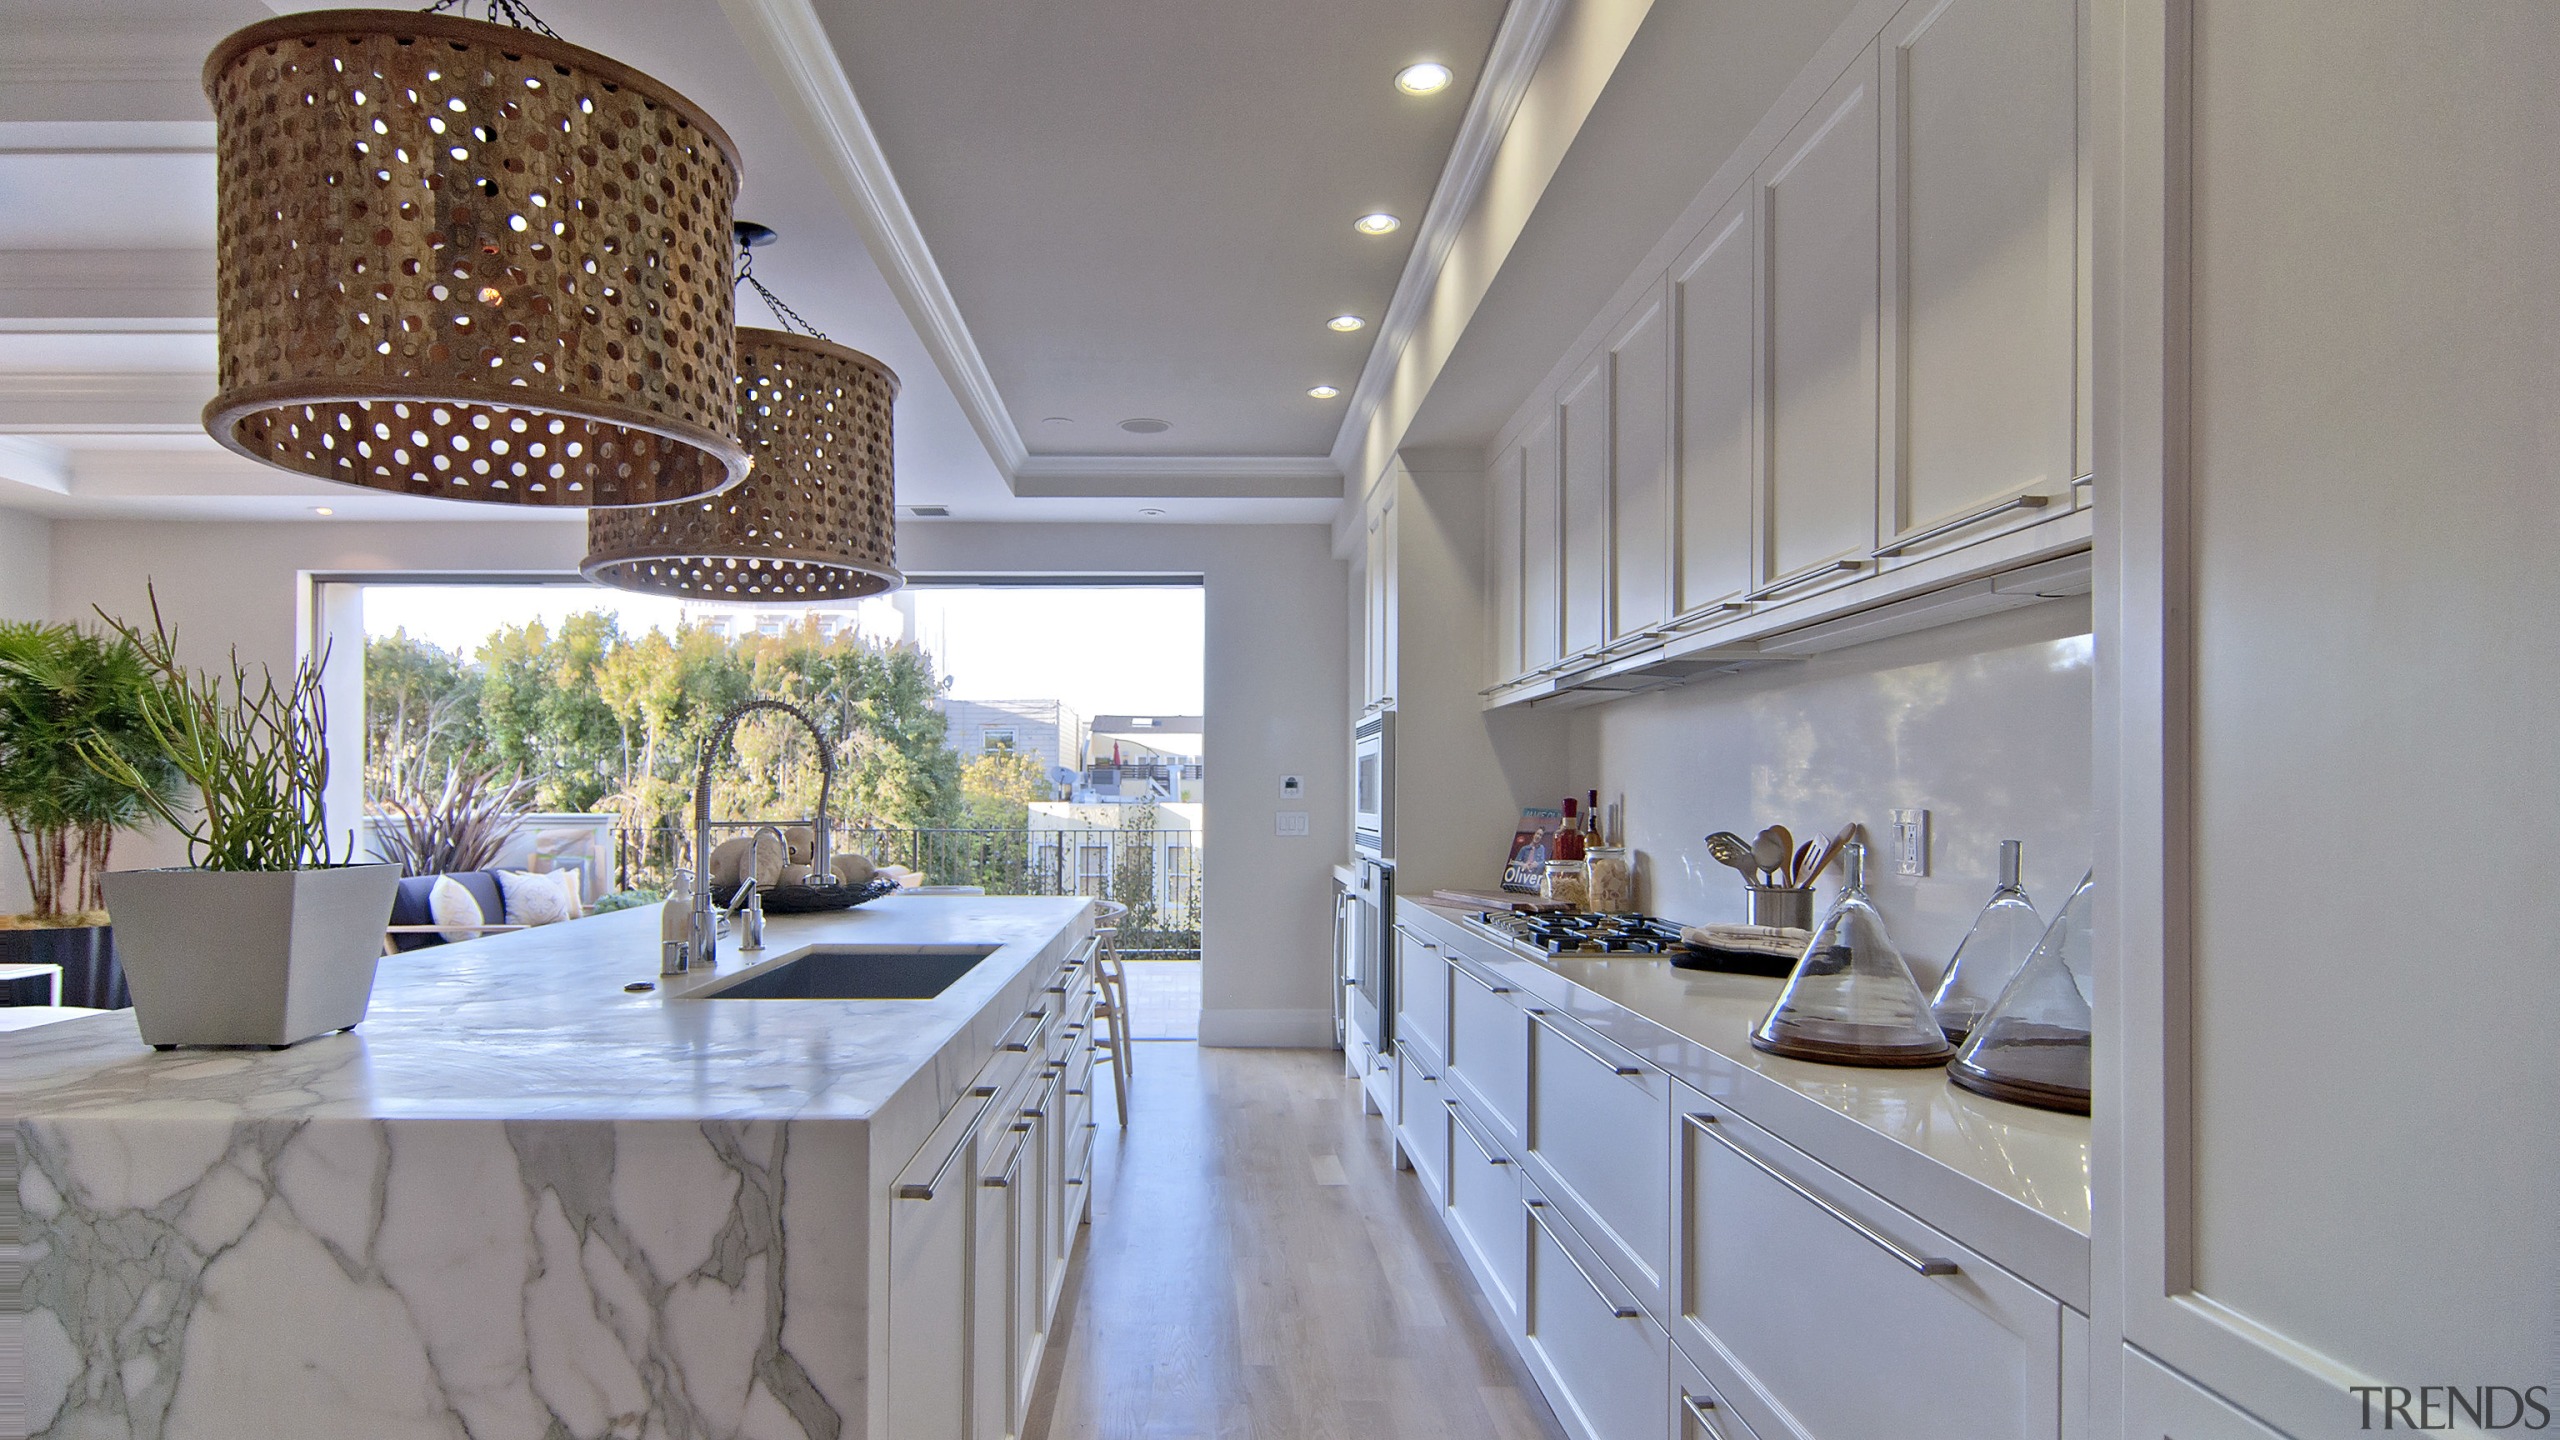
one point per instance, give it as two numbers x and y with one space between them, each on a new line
1458 1113
1470 972
1003 1179
1626 1309
913 1190
1039 1021
1920 1264
1804 577
2083 482
1698 1410
2014 502
1562 1034
1426 1077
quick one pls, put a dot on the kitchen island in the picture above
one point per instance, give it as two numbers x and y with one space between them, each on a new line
523 1200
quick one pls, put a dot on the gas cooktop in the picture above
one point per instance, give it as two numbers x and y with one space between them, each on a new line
1558 933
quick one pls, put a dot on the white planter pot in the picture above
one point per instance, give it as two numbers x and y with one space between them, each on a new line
249 958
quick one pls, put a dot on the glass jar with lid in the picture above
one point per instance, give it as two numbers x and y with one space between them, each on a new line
1612 879
1567 882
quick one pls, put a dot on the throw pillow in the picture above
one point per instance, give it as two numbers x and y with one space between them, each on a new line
449 904
533 899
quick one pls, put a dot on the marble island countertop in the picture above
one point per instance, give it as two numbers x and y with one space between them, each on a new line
537 1025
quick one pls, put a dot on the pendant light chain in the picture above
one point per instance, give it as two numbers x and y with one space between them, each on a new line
791 319
501 12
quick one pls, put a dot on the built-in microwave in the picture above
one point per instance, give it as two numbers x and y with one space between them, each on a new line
1373 786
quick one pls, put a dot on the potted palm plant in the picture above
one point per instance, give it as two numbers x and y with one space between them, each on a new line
61 690
264 939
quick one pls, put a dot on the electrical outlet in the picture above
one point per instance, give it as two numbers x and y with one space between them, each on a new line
1291 822
1911 842
1292 788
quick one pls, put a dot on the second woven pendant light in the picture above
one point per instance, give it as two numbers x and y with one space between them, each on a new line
814 520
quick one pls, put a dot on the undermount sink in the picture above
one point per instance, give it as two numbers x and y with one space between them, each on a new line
848 974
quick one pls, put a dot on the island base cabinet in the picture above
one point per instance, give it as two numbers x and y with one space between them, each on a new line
1422 1125
1604 1364
1843 1315
1483 1212
928 1314
1489 1052
1699 1409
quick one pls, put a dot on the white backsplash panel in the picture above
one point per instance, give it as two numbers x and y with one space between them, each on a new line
1986 725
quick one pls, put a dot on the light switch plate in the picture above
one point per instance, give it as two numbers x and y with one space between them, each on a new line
1292 788
1911 842
1291 822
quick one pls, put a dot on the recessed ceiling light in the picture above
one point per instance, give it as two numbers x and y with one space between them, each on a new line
1322 392
1056 420
1428 78
1150 511
1345 323
1145 426
1380 223
322 510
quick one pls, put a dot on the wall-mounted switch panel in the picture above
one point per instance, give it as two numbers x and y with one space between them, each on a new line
1911 842
1291 822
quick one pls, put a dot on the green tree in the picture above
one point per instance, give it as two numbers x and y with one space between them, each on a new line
544 714
421 713
66 693
998 788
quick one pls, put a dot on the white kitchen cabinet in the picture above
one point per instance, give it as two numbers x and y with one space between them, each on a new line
1639 470
1488 1051
1702 1411
1378 650
1844 1316
929 1280
1503 560
1982 279
2160 1401
1422 1120
1715 299
1020 1170
1541 550
1818 245
1582 448
993 1233
1604 1363
1599 1148
1484 1212
1422 991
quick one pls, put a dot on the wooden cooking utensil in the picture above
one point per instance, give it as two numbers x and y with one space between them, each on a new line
1797 875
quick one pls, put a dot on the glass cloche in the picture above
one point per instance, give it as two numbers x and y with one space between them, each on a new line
1851 1000
2033 1046
1989 954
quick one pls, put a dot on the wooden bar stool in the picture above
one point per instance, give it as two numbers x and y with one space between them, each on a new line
1111 1005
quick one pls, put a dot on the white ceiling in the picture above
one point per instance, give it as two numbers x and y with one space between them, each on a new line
1248 141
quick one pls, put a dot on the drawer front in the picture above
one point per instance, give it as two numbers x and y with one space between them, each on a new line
1787 1268
1699 1408
1604 1363
1483 1209
2160 1401
1489 1052
1422 991
1600 1147
1422 1121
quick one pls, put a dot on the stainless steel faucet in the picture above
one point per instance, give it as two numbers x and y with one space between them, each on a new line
749 897
704 944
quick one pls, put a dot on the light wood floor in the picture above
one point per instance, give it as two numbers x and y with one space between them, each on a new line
1257 1268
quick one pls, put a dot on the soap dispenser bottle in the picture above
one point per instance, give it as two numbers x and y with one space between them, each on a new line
675 926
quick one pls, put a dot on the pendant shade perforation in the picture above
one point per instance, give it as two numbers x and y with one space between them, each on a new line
815 521
468 261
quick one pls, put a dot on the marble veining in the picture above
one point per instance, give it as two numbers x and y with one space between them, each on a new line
516 1203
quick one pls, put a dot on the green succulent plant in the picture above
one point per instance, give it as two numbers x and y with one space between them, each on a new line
255 753
65 692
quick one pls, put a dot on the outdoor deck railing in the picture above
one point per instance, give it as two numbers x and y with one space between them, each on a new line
1156 873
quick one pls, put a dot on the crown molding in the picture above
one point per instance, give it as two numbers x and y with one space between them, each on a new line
35 464
1518 45
1179 477
790 44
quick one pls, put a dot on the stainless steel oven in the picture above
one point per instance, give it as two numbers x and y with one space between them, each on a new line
1373 786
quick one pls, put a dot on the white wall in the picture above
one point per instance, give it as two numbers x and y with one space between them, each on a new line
1984 724
1275 683
26 570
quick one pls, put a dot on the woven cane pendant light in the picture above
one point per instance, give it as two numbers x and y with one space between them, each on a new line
815 521
470 261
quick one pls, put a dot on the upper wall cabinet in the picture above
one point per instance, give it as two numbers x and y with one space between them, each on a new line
1714 298
1379 650
1982 276
1640 540
1541 593
1503 566
1582 423
1818 219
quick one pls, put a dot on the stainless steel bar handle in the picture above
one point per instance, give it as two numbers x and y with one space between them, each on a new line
1803 577
1416 938
1558 1031
1949 527
1626 1309
910 1190
1467 969
1698 1409
1921 1264
1483 1146
1719 610
1039 1021
2082 482
1003 1179
1039 1109
1407 1052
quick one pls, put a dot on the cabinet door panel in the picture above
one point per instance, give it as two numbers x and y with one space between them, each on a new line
1503 566
1422 992
1640 470
1598 1142
1541 549
1982 274
1484 1210
1818 214
1582 423
928 1309
1719 413
1604 1363
1489 1053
